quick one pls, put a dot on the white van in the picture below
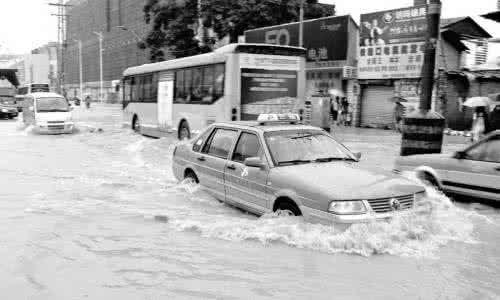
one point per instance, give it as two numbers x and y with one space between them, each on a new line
48 113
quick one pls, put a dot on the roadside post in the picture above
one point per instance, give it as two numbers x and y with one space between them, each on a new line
423 129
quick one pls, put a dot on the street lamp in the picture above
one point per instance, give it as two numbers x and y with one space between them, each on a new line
100 36
80 65
125 28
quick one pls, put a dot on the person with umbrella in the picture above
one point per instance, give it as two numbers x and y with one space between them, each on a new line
480 124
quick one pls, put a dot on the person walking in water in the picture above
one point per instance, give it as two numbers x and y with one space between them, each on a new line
334 110
87 101
479 123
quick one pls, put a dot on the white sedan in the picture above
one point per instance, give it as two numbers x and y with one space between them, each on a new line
474 171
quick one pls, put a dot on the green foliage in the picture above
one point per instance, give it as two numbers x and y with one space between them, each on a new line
173 22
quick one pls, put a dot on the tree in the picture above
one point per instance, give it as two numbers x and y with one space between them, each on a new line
173 22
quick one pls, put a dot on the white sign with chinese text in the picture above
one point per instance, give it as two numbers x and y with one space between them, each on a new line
391 61
269 62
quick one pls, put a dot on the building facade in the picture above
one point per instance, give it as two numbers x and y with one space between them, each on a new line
122 25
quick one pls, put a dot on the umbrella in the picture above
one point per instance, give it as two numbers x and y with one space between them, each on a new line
398 99
477 101
336 93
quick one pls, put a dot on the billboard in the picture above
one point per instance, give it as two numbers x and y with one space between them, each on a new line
326 39
392 43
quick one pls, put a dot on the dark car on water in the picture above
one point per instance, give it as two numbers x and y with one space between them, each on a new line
8 108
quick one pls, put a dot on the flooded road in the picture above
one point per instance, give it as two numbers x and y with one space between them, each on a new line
98 215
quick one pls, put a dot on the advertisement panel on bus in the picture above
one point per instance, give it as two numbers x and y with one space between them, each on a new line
268 84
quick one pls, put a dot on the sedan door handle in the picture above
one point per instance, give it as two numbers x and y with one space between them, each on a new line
201 158
231 167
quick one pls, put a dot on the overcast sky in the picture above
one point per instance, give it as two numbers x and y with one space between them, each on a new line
27 24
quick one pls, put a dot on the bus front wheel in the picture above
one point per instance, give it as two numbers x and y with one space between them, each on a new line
184 132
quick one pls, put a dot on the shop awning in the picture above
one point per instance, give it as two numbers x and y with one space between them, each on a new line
10 75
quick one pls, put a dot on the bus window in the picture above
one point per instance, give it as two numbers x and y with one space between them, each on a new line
133 89
207 89
154 87
196 94
180 95
147 80
188 84
219 81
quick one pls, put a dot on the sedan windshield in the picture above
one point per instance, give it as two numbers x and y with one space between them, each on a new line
52 104
304 146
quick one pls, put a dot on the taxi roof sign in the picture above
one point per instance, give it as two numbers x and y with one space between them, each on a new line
288 118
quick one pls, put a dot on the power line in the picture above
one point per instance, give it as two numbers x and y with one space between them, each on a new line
61 40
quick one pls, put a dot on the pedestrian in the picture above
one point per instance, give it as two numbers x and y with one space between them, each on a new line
344 105
87 101
399 112
479 123
495 119
334 110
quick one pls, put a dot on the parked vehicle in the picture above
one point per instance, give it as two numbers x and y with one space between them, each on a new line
475 171
8 109
277 165
48 113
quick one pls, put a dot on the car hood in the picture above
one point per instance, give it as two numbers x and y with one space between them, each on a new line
53 116
419 159
343 181
9 107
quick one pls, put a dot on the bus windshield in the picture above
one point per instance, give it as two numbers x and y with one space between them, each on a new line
52 104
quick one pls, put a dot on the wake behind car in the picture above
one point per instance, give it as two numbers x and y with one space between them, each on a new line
48 113
275 164
475 171
8 109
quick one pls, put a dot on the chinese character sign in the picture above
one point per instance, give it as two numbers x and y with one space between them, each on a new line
325 39
391 43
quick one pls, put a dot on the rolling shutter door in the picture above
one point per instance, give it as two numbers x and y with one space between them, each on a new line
377 109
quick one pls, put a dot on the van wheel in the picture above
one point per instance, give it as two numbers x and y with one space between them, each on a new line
287 209
184 132
136 125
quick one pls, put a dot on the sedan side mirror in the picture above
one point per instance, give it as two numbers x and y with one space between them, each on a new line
357 155
459 155
254 162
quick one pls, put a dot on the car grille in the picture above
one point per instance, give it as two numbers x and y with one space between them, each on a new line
52 125
383 205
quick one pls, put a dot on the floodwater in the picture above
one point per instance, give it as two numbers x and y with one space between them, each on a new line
98 215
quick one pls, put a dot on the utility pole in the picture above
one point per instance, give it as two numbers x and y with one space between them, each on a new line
301 24
101 84
61 41
423 129
80 66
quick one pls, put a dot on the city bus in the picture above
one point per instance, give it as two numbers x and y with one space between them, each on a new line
232 83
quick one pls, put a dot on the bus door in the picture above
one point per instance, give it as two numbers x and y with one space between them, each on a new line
165 100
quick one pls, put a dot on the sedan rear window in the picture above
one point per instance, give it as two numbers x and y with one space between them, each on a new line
220 142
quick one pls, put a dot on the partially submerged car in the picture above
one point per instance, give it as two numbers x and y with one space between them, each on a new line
474 172
277 165
8 109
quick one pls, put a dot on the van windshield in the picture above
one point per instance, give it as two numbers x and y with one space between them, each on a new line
52 104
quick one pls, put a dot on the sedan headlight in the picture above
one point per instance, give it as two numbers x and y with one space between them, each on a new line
4 110
347 207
